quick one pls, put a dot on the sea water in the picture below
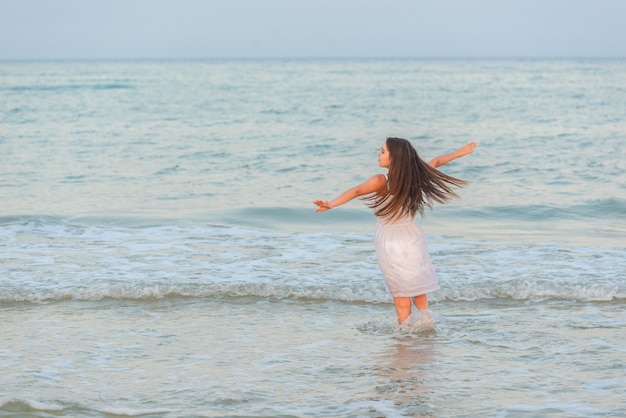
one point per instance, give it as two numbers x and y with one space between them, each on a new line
160 255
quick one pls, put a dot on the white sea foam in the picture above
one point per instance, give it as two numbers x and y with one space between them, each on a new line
57 261
419 322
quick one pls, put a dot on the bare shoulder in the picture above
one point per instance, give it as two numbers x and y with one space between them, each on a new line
374 183
378 179
371 185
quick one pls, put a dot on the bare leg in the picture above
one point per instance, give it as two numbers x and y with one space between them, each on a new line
403 308
421 302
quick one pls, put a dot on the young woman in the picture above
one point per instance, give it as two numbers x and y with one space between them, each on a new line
409 186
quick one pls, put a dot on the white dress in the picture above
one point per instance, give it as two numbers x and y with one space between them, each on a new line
403 258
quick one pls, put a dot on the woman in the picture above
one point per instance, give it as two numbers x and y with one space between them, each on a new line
396 197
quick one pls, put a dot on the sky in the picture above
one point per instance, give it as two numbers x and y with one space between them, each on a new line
145 29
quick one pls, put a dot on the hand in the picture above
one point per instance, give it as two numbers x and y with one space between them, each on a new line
466 149
322 205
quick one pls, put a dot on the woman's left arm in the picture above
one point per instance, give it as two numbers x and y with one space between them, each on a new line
446 158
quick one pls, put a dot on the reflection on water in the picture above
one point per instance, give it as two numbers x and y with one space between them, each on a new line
404 369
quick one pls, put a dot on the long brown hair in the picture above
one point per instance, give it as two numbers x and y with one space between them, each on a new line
412 184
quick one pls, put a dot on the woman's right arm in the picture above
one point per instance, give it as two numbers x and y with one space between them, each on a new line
369 186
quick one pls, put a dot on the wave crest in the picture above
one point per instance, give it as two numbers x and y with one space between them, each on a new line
375 294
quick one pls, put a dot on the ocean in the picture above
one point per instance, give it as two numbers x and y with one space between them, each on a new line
160 256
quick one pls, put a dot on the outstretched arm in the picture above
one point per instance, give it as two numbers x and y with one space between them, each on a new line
446 158
369 186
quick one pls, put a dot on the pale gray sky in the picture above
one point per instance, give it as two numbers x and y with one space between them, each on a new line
67 29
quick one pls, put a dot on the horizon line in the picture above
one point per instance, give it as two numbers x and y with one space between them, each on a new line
313 58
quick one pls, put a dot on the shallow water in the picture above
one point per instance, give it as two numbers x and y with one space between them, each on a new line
250 356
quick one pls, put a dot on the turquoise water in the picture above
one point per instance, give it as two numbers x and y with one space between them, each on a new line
161 257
